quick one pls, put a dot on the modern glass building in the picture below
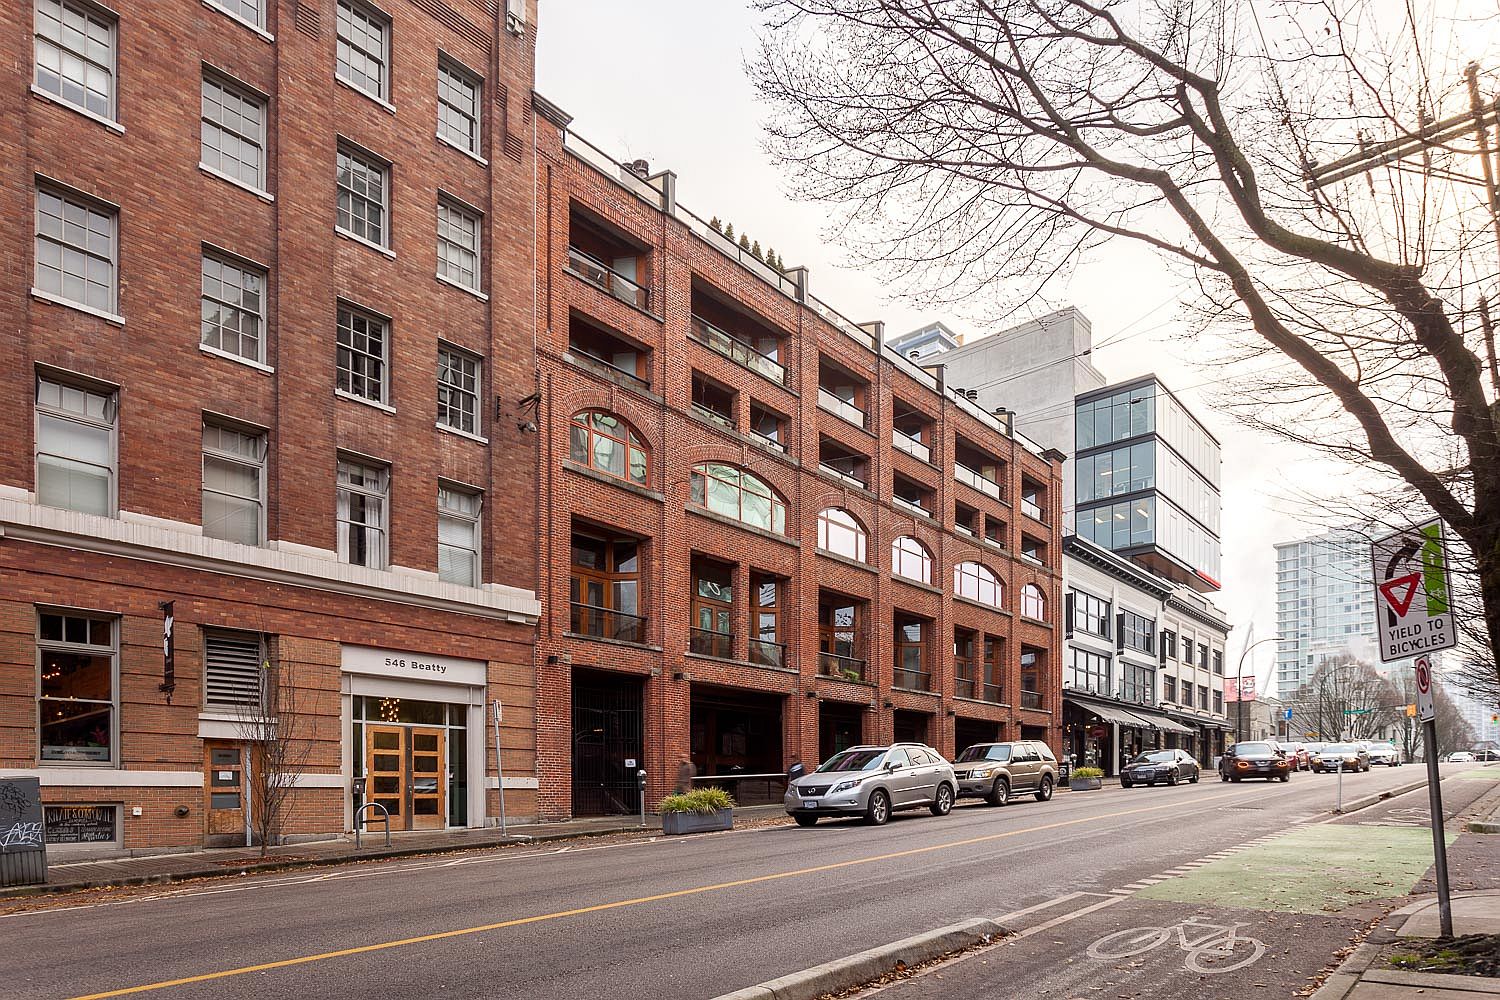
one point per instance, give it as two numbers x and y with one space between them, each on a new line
1147 481
1325 605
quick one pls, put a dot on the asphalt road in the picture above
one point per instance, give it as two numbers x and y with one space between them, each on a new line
658 918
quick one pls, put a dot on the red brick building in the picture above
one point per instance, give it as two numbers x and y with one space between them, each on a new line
266 330
765 537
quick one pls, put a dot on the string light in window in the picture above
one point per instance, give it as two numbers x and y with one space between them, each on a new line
390 709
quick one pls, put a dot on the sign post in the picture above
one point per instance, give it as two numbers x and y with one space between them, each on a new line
499 770
1411 580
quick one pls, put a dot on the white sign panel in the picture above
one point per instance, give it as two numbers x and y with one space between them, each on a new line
1412 609
1425 710
412 666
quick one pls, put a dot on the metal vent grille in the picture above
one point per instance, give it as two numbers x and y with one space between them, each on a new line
308 20
232 663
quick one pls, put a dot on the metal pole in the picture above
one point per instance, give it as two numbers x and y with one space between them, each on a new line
1339 805
500 770
640 777
1439 845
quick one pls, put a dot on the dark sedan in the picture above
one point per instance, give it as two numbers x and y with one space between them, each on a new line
1254 760
1166 766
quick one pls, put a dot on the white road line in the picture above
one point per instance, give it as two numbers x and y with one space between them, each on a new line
1055 921
1048 904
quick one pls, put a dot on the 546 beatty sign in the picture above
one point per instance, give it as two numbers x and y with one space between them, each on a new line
1413 611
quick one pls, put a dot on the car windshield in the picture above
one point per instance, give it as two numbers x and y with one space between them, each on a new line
1154 757
1253 750
854 760
984 753
1340 748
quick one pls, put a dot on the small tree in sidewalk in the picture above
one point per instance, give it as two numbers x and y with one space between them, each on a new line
278 751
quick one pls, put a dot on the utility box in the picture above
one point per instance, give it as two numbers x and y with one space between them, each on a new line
23 846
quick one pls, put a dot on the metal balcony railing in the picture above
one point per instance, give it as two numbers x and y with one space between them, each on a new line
706 642
596 272
912 446
767 653
606 623
841 408
849 668
982 483
736 350
963 685
993 693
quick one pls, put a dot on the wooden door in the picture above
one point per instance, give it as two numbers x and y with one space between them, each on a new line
427 778
224 767
386 774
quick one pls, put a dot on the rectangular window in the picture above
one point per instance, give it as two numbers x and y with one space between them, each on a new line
75 55
1169 689
458 106
77 687
363 350
364 197
1137 632
1219 662
75 249
234 480
234 308
234 132
1218 702
458 535
363 50
75 447
458 245
1088 671
232 663
1203 697
1090 614
458 390
362 510
250 11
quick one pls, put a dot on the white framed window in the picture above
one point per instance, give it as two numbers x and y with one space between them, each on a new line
910 559
75 249
75 55
234 484
75 447
234 132
252 12
363 491
363 354
78 685
458 535
458 244
232 667
459 100
234 307
364 196
840 533
458 390
363 50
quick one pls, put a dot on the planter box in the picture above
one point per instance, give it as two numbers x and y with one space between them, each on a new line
675 823
1076 784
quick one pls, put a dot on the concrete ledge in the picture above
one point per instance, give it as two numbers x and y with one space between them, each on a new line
1482 826
1364 802
1468 985
855 970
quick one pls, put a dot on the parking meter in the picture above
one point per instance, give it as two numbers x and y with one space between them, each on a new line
640 777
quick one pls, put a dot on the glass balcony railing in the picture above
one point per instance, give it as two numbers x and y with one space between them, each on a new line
914 506
767 653
911 445
766 442
992 693
706 642
629 378
596 272
1031 699
913 680
848 668
714 416
841 408
837 473
605 623
1030 508
737 350
982 483
964 685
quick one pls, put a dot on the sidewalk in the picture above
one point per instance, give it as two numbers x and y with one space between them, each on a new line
70 875
1364 976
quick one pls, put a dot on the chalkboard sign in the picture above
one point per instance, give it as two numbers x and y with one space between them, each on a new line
23 850
80 824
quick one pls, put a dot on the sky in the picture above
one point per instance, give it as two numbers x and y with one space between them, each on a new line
664 81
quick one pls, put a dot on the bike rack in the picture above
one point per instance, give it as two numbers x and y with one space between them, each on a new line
385 815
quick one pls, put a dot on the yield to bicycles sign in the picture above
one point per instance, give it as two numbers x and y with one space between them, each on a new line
1412 607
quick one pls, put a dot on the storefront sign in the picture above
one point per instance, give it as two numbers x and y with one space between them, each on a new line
412 666
168 651
81 824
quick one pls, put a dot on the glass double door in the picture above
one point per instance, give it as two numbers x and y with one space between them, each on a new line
406 772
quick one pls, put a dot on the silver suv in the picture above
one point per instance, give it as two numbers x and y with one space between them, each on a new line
995 771
873 782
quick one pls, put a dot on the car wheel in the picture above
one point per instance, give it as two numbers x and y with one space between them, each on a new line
1172 778
879 809
1194 779
1223 776
942 805
1235 779
1125 782
999 793
806 820
1044 791
1286 777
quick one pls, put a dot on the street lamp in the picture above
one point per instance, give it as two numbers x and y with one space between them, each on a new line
1239 687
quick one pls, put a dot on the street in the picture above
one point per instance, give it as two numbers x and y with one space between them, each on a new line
699 916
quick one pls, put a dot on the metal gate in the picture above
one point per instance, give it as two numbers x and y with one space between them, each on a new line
607 751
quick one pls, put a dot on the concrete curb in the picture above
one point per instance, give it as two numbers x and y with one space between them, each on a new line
855 970
1364 802
1480 826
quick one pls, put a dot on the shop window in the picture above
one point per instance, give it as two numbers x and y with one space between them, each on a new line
841 534
78 694
738 494
977 583
604 442
910 558
232 666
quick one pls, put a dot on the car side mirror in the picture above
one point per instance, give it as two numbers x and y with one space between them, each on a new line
891 765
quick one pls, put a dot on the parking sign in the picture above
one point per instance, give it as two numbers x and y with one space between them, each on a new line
1413 614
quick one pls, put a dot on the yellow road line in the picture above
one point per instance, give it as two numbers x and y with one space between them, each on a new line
639 900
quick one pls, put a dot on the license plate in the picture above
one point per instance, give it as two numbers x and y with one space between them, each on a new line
809 803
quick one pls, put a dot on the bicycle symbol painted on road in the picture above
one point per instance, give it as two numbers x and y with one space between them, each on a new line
1211 949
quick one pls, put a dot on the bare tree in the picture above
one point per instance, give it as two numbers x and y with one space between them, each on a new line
1345 699
278 752
976 146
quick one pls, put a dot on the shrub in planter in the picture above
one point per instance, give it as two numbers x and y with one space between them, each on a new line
1085 779
698 811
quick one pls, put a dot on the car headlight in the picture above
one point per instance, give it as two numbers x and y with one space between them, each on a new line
844 786
983 772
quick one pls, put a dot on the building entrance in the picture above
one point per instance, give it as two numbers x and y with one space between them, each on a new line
840 726
607 744
404 767
967 732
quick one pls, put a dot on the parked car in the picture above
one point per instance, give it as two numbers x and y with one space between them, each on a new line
1349 755
1486 755
1168 766
1254 759
1461 757
873 782
1384 753
996 771
1298 754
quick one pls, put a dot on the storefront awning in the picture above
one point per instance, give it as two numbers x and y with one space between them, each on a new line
1109 713
1158 721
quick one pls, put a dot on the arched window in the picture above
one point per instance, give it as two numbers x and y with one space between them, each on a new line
1033 602
744 496
603 441
910 558
977 583
841 534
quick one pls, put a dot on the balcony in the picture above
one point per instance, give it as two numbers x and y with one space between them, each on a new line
767 442
841 408
967 476
846 668
912 446
596 272
767 653
713 416
912 680
964 686
1030 509
604 623
830 470
706 642
1031 699
737 350
911 505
